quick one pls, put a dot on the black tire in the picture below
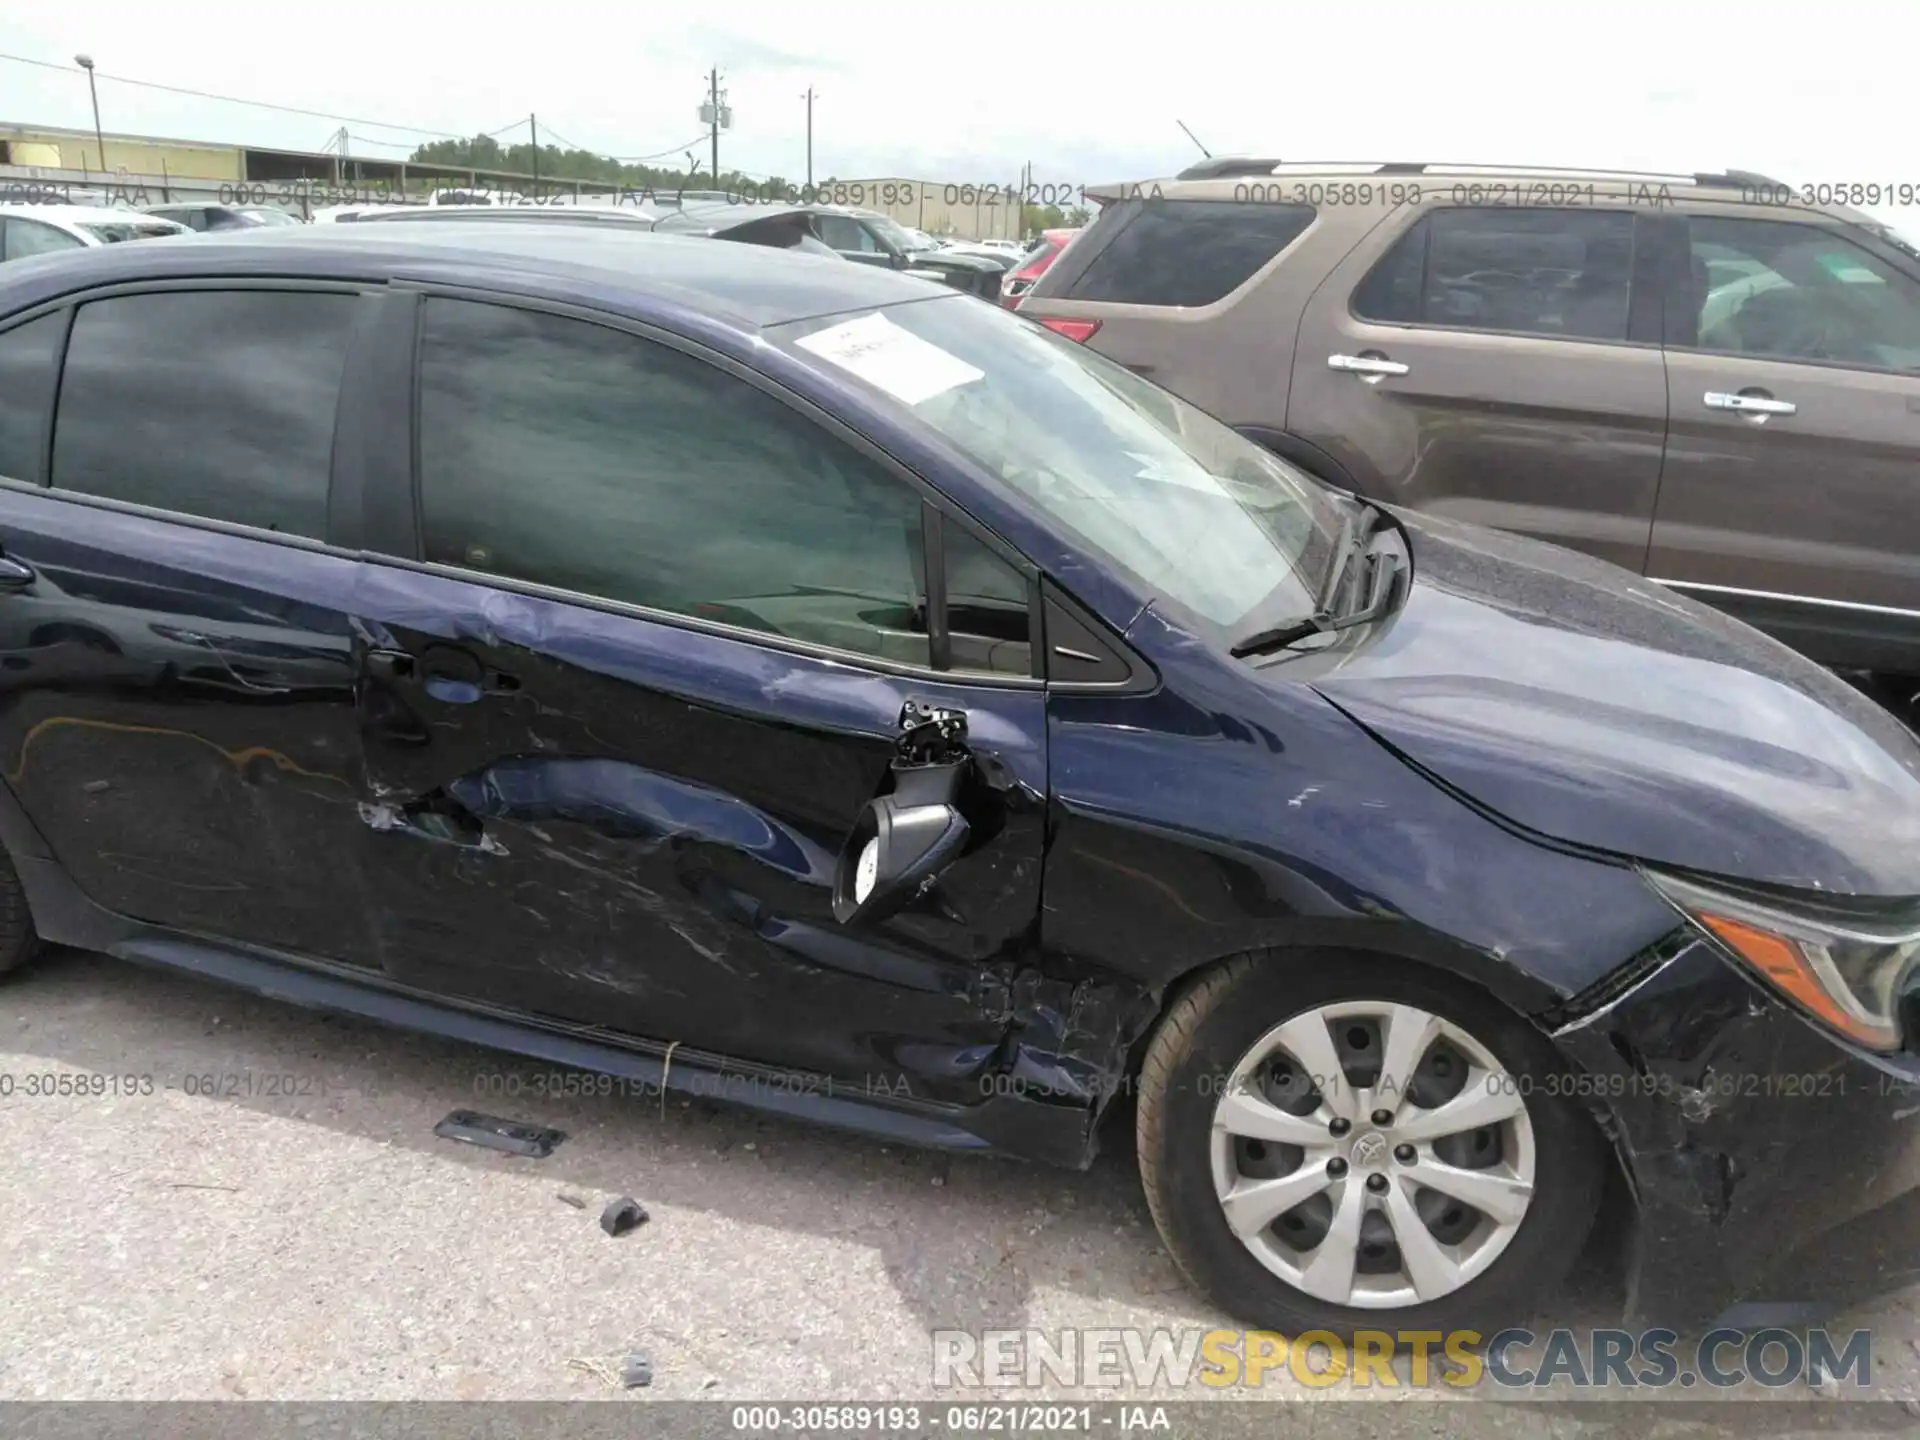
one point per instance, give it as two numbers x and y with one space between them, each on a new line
1220 1017
18 939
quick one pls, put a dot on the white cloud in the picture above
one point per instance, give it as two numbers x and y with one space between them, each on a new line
959 91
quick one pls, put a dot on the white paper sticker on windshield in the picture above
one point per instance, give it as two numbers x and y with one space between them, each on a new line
881 353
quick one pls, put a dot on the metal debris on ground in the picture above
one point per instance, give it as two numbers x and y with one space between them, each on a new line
638 1371
515 1138
622 1215
574 1200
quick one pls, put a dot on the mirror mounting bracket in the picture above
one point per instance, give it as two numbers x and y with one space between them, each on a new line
930 735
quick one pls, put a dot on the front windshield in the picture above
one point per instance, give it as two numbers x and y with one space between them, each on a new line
895 234
267 215
1202 519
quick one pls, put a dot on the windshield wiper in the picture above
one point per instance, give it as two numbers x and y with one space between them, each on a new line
1327 617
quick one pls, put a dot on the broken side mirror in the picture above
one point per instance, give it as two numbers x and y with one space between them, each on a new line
904 839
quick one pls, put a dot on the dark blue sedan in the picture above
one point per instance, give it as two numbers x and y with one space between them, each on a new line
794 682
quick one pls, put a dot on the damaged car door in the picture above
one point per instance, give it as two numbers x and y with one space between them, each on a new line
176 666
633 678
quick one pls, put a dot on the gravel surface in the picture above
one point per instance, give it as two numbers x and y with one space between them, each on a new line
324 1244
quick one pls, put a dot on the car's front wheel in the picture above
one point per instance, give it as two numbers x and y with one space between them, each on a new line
1340 1142
18 939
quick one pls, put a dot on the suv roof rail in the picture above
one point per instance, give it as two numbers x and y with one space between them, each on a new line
1750 179
1234 166
1228 166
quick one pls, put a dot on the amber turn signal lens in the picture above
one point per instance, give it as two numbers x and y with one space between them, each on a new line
1787 967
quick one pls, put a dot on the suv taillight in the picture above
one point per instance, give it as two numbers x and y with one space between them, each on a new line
1036 267
1078 331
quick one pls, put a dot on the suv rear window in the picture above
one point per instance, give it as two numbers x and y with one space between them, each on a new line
1185 252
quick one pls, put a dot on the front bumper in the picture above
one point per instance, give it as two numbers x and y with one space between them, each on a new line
1772 1165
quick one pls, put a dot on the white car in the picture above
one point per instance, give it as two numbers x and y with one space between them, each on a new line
43 229
332 214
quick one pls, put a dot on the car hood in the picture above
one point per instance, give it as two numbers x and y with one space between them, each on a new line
953 260
1598 708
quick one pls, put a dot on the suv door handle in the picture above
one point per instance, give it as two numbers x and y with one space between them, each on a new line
1758 406
1370 366
15 575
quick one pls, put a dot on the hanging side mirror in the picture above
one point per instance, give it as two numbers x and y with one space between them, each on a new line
903 840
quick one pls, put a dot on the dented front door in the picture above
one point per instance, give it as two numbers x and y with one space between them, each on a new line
624 823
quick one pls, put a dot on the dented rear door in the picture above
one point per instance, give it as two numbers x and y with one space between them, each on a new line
176 660
629 692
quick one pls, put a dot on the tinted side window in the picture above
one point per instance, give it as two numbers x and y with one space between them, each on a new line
211 403
1526 271
1784 291
1188 252
32 237
986 607
845 234
27 357
577 456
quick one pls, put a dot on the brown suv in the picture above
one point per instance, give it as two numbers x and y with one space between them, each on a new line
1710 379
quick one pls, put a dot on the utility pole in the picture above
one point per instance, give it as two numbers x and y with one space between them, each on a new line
533 128
713 119
809 100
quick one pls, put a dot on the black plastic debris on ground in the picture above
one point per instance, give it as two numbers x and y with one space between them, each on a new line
511 1136
622 1215
637 1372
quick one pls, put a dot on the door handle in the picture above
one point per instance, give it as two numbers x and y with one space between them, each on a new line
1754 406
15 575
390 664
1368 367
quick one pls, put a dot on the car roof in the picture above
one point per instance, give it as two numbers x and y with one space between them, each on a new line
77 214
516 214
621 268
706 219
1231 176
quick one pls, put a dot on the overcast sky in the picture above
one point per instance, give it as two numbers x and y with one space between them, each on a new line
1087 93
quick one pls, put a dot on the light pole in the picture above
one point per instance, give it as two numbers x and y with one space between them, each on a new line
809 97
85 62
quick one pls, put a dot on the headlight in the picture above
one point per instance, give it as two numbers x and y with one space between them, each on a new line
1847 972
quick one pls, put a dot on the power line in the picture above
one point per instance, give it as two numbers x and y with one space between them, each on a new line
385 144
601 154
341 119
235 99
679 149
554 134
630 159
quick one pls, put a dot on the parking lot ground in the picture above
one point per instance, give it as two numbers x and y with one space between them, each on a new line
325 1244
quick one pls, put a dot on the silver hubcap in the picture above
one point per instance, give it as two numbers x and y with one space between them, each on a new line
1372 1155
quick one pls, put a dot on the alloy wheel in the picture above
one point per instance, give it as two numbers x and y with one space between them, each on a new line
1372 1154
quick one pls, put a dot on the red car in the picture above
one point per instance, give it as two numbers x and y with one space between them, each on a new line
1033 265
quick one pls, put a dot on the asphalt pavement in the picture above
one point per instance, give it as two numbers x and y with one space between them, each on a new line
248 1201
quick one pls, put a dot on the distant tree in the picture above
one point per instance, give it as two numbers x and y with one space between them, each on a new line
483 152
1078 215
1036 218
